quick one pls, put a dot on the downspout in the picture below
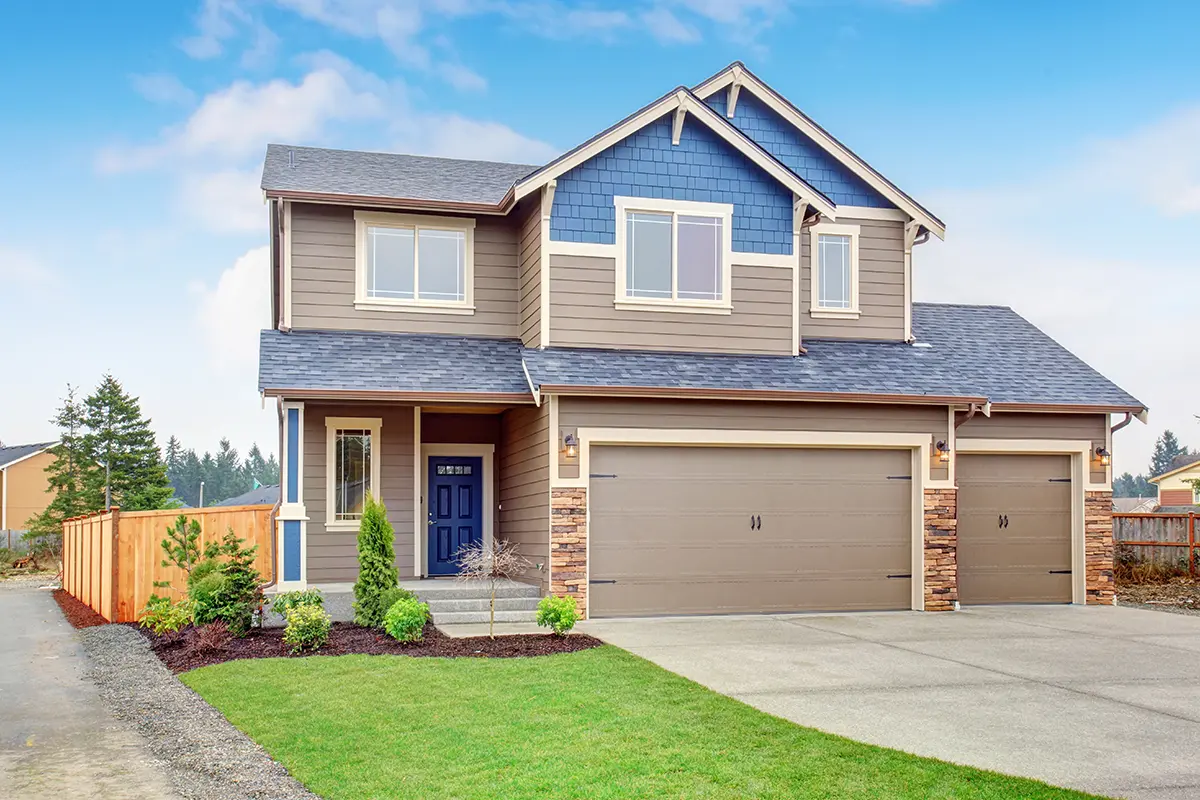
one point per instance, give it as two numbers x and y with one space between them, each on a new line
272 523
986 408
1128 419
913 236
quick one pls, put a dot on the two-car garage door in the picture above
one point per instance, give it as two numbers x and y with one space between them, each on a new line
710 530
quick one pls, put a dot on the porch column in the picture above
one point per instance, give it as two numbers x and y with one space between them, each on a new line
292 520
1098 547
568 545
941 549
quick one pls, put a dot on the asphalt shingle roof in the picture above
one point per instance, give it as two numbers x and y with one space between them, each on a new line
390 175
389 362
18 451
972 352
262 496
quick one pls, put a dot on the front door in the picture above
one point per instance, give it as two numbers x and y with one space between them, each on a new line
455 503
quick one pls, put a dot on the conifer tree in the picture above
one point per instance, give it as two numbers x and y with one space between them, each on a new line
71 477
120 442
376 564
1165 450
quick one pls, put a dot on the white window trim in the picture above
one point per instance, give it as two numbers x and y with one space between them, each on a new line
816 310
365 219
723 211
332 425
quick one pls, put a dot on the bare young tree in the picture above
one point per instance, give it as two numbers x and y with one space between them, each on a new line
493 563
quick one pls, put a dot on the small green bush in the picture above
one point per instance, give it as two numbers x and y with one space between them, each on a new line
392 596
208 597
557 613
307 628
162 616
285 601
202 570
405 620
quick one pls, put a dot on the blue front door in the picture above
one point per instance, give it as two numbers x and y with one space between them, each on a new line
455 504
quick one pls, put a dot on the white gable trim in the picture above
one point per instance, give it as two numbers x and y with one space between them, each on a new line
28 456
681 102
736 74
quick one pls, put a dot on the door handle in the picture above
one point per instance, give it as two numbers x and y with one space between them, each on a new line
751 522
1002 521
759 520
1006 520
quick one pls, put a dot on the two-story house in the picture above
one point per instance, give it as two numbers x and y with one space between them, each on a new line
681 366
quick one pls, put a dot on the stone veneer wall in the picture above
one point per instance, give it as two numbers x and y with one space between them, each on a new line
1098 547
568 545
941 549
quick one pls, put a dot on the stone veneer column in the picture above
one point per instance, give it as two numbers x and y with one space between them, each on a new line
568 545
941 549
1098 547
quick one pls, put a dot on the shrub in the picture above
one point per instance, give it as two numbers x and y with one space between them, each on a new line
307 627
240 595
392 596
162 616
405 620
208 596
211 637
557 613
376 564
285 601
202 570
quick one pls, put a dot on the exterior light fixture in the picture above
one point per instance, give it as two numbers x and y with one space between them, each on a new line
943 452
1103 456
570 445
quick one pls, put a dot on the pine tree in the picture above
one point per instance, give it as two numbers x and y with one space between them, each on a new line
1165 450
187 486
271 473
121 442
254 469
71 477
376 564
226 479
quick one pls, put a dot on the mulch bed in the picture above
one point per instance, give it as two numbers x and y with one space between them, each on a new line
78 614
180 651
1176 593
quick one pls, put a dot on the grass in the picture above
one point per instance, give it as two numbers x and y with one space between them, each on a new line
595 724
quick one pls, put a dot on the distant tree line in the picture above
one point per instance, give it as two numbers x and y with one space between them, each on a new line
224 475
1166 450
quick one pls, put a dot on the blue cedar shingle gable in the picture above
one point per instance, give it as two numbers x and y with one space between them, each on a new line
798 152
702 167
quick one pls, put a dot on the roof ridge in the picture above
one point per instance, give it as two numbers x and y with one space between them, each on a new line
965 305
30 444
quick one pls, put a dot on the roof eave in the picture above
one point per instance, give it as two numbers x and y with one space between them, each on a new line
408 204
523 398
1070 408
1176 471
753 394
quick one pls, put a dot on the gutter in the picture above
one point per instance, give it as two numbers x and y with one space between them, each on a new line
414 204
755 394
522 398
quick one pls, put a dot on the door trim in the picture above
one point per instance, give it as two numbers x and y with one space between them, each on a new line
486 452
1080 452
918 443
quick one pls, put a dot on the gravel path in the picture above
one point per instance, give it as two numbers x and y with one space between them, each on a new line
204 755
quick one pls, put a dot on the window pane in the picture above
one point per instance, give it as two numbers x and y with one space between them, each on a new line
834 258
699 258
390 263
441 260
352 473
648 255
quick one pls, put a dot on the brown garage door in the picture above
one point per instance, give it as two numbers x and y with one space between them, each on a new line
710 530
1014 529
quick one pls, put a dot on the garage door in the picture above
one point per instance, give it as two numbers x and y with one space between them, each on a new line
708 530
1014 529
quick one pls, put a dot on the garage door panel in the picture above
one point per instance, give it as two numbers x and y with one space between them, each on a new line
671 530
1014 528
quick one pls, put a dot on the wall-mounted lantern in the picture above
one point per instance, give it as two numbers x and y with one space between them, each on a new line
1103 456
570 445
943 452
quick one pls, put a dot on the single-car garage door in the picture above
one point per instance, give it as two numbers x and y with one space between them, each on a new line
1014 529
712 530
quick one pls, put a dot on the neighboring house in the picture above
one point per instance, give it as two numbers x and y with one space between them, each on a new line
262 496
1135 505
24 489
1174 485
681 367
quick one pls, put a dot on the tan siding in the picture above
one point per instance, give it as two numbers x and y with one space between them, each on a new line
1016 425
27 490
579 412
333 555
582 313
323 280
529 290
524 465
880 285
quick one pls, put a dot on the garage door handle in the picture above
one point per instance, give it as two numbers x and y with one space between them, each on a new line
1002 521
755 523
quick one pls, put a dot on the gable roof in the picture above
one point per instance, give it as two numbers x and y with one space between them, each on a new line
738 73
262 496
1186 463
20 452
681 101
297 172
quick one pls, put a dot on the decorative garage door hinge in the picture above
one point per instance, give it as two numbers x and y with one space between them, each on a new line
602 581
1060 572
1060 480
600 475
901 575
899 477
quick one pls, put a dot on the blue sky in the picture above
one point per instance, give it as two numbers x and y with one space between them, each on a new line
1056 140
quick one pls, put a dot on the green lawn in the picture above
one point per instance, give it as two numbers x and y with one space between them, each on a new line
595 724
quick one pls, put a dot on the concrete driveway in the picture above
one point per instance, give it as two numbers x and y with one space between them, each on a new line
1101 699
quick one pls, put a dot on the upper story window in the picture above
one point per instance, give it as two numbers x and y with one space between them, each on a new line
673 255
834 265
414 263
352 467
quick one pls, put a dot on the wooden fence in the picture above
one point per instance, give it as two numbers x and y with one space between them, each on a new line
1162 539
111 559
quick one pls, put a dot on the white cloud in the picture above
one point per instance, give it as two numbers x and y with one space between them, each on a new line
228 201
163 88
231 313
666 27
463 78
453 136
217 21
21 268
1160 163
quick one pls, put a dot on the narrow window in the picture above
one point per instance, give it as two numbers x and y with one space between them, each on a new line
391 263
834 263
352 472
649 256
699 258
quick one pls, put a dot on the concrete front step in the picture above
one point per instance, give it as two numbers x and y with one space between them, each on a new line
481 604
433 591
459 617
